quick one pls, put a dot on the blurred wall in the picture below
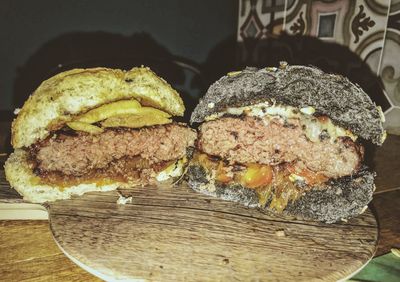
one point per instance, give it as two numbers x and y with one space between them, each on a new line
189 29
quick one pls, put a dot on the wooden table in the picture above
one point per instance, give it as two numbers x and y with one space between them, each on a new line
28 252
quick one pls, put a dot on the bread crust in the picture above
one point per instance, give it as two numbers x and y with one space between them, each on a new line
21 177
69 93
333 95
336 200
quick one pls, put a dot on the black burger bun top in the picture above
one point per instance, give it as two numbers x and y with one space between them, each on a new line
332 95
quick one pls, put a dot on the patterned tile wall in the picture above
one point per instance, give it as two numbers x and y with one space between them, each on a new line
389 69
369 28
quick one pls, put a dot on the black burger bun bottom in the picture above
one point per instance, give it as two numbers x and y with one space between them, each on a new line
339 194
337 200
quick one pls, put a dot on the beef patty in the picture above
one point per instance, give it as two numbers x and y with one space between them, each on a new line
255 140
82 153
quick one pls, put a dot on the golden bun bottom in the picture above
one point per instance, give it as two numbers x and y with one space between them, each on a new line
21 177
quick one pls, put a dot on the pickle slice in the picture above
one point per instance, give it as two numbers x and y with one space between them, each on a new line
146 116
86 127
109 110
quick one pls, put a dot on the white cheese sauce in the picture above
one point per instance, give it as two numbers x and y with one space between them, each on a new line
314 128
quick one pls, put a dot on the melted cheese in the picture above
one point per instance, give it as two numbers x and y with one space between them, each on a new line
313 127
173 170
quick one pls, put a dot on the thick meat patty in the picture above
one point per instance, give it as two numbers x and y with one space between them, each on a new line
80 154
256 140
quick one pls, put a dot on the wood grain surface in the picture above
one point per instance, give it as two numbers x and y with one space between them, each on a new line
28 253
7 194
176 234
387 208
385 161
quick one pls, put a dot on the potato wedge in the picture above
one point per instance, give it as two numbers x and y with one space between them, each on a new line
86 127
147 117
109 110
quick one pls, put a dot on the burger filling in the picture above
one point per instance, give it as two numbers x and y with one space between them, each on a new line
279 151
117 154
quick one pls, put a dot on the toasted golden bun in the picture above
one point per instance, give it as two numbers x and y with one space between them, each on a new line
21 177
63 96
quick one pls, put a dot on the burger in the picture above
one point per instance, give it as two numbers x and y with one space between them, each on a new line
96 130
287 139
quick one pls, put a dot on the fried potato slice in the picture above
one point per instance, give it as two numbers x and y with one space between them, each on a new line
86 127
146 117
112 109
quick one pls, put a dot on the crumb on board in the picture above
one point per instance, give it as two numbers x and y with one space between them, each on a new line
280 233
123 200
364 209
396 252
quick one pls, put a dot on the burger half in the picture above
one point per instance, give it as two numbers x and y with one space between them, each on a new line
95 130
287 139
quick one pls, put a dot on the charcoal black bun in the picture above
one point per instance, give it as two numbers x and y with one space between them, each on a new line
299 86
335 200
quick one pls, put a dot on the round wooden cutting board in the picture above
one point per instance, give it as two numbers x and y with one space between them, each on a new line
175 234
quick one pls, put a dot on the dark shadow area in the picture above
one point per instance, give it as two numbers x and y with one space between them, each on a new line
102 49
221 60
6 115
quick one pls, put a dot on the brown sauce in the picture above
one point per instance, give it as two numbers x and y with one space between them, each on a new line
126 170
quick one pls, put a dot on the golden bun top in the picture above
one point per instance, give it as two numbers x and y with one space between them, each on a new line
67 94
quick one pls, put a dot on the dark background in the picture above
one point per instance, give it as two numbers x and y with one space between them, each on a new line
38 36
189 43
